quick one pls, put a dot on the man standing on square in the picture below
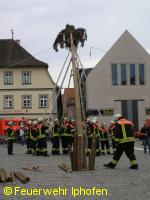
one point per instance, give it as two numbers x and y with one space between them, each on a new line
10 138
124 137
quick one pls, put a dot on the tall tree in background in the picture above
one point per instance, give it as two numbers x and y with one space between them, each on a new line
70 38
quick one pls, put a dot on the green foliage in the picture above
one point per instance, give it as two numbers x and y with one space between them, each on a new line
63 38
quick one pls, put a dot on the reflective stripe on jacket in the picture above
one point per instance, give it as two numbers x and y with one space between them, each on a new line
10 134
123 131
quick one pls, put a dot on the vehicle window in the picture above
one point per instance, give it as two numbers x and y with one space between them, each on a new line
14 123
22 123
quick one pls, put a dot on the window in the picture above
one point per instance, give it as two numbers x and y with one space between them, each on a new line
14 123
128 74
147 111
26 77
8 78
123 74
43 101
8 101
26 101
132 74
114 74
141 74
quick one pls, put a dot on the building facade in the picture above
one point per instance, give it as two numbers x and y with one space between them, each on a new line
25 83
120 82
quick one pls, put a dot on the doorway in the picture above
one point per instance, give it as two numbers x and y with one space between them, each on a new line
130 111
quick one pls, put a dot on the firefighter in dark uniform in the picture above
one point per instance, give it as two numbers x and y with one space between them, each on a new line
27 135
104 139
33 137
97 134
10 136
42 138
65 135
124 136
55 137
112 136
89 131
92 128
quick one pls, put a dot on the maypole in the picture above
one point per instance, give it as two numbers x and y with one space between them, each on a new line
70 38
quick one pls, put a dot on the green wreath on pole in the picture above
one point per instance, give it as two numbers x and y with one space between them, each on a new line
63 38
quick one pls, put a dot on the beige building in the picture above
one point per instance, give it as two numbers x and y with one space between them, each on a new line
120 82
25 83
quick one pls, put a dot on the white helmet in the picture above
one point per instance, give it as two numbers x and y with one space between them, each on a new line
112 122
34 123
94 120
10 123
40 120
116 117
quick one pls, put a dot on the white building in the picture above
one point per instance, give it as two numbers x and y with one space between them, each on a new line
25 83
120 82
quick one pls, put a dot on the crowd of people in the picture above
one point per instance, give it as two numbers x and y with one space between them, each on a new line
115 139
61 133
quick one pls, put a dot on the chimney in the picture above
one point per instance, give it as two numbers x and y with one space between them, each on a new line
18 41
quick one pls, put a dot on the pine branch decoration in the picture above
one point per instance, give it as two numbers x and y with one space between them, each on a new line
63 38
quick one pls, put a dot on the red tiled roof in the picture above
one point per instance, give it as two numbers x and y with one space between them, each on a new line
13 55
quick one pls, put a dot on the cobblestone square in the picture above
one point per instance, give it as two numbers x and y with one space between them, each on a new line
121 182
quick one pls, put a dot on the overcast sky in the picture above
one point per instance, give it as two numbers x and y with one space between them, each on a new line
37 22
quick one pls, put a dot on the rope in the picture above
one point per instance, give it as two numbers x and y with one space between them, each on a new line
59 89
56 84
46 50
70 79
82 108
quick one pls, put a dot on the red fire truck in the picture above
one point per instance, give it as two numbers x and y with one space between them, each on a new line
4 125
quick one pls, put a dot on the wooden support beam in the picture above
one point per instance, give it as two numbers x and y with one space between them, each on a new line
8 175
32 168
92 153
71 156
65 168
74 168
78 148
3 175
84 164
23 178
12 177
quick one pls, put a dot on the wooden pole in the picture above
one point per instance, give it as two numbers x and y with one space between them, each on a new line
84 164
78 150
3 175
24 179
92 153
12 177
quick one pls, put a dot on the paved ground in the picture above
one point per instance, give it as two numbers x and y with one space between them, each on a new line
121 182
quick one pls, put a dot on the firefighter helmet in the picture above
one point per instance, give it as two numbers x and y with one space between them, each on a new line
94 120
34 123
10 123
116 117
40 120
